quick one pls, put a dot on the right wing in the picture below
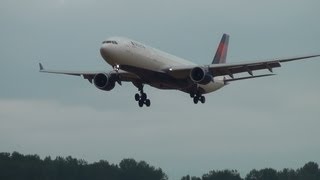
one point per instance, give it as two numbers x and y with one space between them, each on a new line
89 75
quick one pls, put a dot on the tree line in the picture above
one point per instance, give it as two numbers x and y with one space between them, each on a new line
16 166
310 171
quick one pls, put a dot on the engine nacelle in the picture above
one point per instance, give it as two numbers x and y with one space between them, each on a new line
104 82
200 75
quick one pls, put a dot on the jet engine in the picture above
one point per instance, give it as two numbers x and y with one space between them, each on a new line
200 75
104 81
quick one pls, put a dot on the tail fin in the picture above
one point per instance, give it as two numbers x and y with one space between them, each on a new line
222 50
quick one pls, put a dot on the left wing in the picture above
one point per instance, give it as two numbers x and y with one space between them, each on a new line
89 75
233 68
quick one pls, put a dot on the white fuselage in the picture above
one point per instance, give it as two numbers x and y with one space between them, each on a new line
124 52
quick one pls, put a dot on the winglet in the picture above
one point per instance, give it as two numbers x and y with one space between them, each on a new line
41 67
221 53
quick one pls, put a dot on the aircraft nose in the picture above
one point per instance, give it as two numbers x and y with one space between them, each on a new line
103 47
104 50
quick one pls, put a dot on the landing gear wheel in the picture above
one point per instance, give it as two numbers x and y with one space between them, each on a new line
196 100
148 102
137 97
202 99
140 103
143 96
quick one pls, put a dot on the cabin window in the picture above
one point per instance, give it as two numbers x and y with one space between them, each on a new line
134 44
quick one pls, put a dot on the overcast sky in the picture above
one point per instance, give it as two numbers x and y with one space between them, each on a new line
268 122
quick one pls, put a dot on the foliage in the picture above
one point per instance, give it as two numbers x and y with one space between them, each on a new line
225 174
18 166
309 171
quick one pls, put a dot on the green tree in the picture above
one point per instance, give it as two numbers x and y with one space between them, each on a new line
222 175
187 177
263 174
287 174
309 171
132 170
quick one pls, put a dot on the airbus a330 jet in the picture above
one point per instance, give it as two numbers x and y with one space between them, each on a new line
140 64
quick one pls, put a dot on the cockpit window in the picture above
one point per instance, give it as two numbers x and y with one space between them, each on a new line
109 42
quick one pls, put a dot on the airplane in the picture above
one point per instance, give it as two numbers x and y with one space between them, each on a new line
142 65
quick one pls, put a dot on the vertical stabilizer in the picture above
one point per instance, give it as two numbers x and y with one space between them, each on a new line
222 50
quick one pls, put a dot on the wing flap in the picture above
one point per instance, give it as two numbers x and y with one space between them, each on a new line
248 77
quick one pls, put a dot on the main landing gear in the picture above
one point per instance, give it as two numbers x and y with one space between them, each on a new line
142 98
198 97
